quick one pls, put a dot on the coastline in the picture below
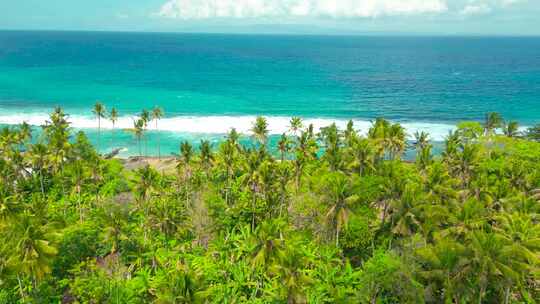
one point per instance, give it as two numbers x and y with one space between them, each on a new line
164 164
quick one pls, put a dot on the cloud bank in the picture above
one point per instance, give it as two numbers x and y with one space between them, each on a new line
207 9
336 9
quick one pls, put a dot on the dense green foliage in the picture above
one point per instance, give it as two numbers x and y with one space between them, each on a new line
336 217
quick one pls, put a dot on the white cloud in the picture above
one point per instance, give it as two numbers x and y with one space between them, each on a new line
480 9
206 9
483 7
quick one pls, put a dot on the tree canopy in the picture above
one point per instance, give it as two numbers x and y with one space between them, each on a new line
334 217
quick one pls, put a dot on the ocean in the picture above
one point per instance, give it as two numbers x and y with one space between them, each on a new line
209 83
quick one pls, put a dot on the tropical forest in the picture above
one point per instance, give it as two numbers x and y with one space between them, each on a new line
318 216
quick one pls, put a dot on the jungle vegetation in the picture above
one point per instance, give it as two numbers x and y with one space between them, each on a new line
334 217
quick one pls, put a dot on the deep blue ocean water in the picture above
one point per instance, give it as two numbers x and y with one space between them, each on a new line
208 83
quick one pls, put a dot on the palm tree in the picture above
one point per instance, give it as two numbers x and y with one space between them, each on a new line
228 155
396 141
493 262
39 162
467 161
296 125
57 134
350 134
452 143
99 111
269 246
447 263
260 130
146 118
423 150
157 114
306 151
10 207
284 146
186 151
520 231
146 179
138 131
146 185
25 132
340 195
424 157
403 211
207 157
379 134
233 137
113 117
363 155
511 129
332 142
421 140
533 133
166 215
113 218
31 248
293 278
493 121
176 283
78 178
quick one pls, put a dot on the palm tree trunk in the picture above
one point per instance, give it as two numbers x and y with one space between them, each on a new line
79 202
21 289
146 146
99 134
41 182
112 139
158 142
507 295
228 186
481 295
254 200
385 210
374 298
298 176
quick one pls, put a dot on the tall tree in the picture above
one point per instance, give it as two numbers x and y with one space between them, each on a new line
138 132
492 121
296 125
260 130
363 156
206 155
157 114
99 111
113 117
341 197
146 117
32 249
39 161
57 134
284 146
511 129
533 133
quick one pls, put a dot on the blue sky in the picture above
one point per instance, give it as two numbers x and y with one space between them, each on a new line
489 17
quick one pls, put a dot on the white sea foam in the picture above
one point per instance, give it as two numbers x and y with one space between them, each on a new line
223 124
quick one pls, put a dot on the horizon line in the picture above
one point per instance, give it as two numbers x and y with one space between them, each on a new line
280 33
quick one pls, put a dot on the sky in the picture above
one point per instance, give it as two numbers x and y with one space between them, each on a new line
447 17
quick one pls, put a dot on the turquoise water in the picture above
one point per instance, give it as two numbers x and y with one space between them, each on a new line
209 83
